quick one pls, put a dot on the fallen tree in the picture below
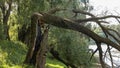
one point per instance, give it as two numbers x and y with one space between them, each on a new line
50 19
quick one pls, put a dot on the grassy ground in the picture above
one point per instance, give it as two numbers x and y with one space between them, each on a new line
52 63
12 55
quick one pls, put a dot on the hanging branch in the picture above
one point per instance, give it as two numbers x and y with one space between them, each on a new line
93 54
106 32
100 54
118 20
108 50
110 56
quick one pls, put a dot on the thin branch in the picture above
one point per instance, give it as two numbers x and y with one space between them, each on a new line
93 54
100 54
87 13
104 22
93 18
82 12
114 32
97 18
118 20
113 36
53 11
110 56
90 19
104 30
110 60
108 50
98 22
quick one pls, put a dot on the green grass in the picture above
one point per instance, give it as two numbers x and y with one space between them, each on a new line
52 63
12 55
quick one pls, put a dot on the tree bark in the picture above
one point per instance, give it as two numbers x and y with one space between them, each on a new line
32 40
37 52
41 55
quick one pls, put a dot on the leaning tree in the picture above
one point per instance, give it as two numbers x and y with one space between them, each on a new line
71 24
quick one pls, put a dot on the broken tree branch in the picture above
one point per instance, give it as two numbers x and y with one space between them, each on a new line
68 24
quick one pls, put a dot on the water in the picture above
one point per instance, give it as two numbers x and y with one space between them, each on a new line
115 54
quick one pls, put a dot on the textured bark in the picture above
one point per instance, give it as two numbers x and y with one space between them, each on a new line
41 55
37 44
32 40
37 52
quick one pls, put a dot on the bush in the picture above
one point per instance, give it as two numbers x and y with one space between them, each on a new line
12 53
72 46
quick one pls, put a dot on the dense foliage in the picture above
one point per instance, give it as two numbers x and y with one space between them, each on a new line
71 46
12 53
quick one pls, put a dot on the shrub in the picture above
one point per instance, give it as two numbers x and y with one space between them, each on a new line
12 53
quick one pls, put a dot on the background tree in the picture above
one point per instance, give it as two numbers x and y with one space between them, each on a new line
6 7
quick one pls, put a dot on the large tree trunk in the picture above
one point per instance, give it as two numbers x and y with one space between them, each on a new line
37 44
32 40
37 52
41 56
